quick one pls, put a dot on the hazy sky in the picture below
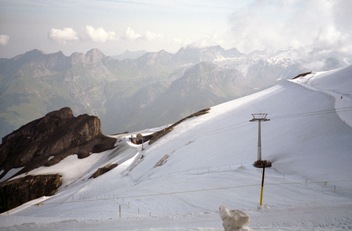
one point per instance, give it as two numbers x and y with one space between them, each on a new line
114 26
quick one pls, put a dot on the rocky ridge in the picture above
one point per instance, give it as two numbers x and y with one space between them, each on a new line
45 142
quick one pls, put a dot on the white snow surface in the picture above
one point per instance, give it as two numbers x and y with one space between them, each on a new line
208 162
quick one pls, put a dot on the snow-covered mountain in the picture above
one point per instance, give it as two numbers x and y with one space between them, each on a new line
179 181
151 90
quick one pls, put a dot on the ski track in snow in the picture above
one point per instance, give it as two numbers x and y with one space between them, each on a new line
343 99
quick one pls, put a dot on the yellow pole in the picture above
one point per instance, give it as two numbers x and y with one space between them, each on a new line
262 187
261 196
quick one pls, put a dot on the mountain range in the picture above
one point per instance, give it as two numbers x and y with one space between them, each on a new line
141 90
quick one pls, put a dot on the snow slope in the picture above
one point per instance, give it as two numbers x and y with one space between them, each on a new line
207 162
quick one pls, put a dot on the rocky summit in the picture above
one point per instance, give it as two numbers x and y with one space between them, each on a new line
44 142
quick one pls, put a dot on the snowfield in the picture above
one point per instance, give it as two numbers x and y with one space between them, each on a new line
179 182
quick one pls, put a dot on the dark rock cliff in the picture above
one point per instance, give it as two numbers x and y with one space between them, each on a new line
18 191
44 142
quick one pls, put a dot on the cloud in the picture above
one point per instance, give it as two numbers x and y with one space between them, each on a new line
4 40
131 34
342 20
99 34
151 36
276 24
63 35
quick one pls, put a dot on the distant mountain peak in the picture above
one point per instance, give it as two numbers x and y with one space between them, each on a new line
32 54
213 48
130 54
92 56
199 54
95 52
59 53
95 55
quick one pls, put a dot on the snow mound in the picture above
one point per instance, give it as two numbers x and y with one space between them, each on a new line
233 220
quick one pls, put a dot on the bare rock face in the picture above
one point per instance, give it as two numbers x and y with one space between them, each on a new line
18 191
103 170
46 141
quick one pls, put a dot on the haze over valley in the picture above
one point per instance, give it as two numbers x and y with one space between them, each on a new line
153 89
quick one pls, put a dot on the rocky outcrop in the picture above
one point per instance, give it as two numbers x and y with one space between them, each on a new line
302 75
162 161
157 135
18 191
103 170
46 141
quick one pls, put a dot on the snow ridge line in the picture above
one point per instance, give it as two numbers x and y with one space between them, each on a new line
341 99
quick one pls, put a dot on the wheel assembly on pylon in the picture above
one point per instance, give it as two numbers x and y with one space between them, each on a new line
262 164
